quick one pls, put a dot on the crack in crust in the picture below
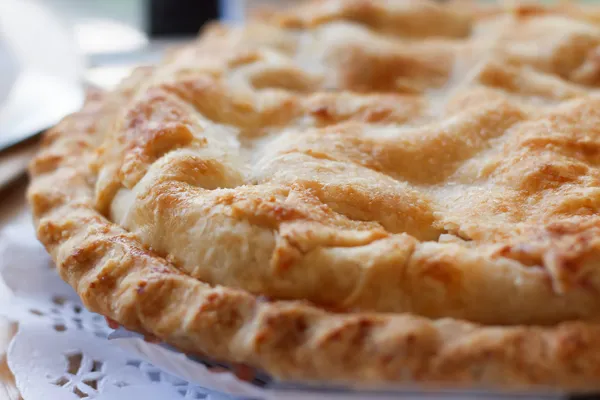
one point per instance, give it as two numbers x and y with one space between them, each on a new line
433 220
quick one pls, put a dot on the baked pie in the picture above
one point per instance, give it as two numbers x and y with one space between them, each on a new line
350 191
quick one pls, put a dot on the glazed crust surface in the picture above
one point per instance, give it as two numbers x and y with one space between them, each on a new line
372 191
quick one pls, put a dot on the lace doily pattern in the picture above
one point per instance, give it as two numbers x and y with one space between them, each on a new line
61 350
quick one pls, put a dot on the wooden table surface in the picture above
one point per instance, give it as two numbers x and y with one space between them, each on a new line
12 204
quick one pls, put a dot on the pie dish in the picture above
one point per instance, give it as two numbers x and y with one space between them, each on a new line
348 191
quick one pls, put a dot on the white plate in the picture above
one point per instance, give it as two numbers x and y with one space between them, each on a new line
36 102
9 69
48 85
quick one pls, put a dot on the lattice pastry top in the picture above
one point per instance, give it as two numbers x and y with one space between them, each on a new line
352 190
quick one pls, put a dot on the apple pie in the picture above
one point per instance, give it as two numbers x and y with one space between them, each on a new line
348 191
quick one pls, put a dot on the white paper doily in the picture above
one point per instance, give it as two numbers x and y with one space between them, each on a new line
61 350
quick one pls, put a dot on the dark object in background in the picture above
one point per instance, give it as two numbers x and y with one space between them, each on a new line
179 17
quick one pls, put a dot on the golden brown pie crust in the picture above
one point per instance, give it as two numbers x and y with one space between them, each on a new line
359 191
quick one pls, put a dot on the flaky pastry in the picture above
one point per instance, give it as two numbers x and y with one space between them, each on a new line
351 191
